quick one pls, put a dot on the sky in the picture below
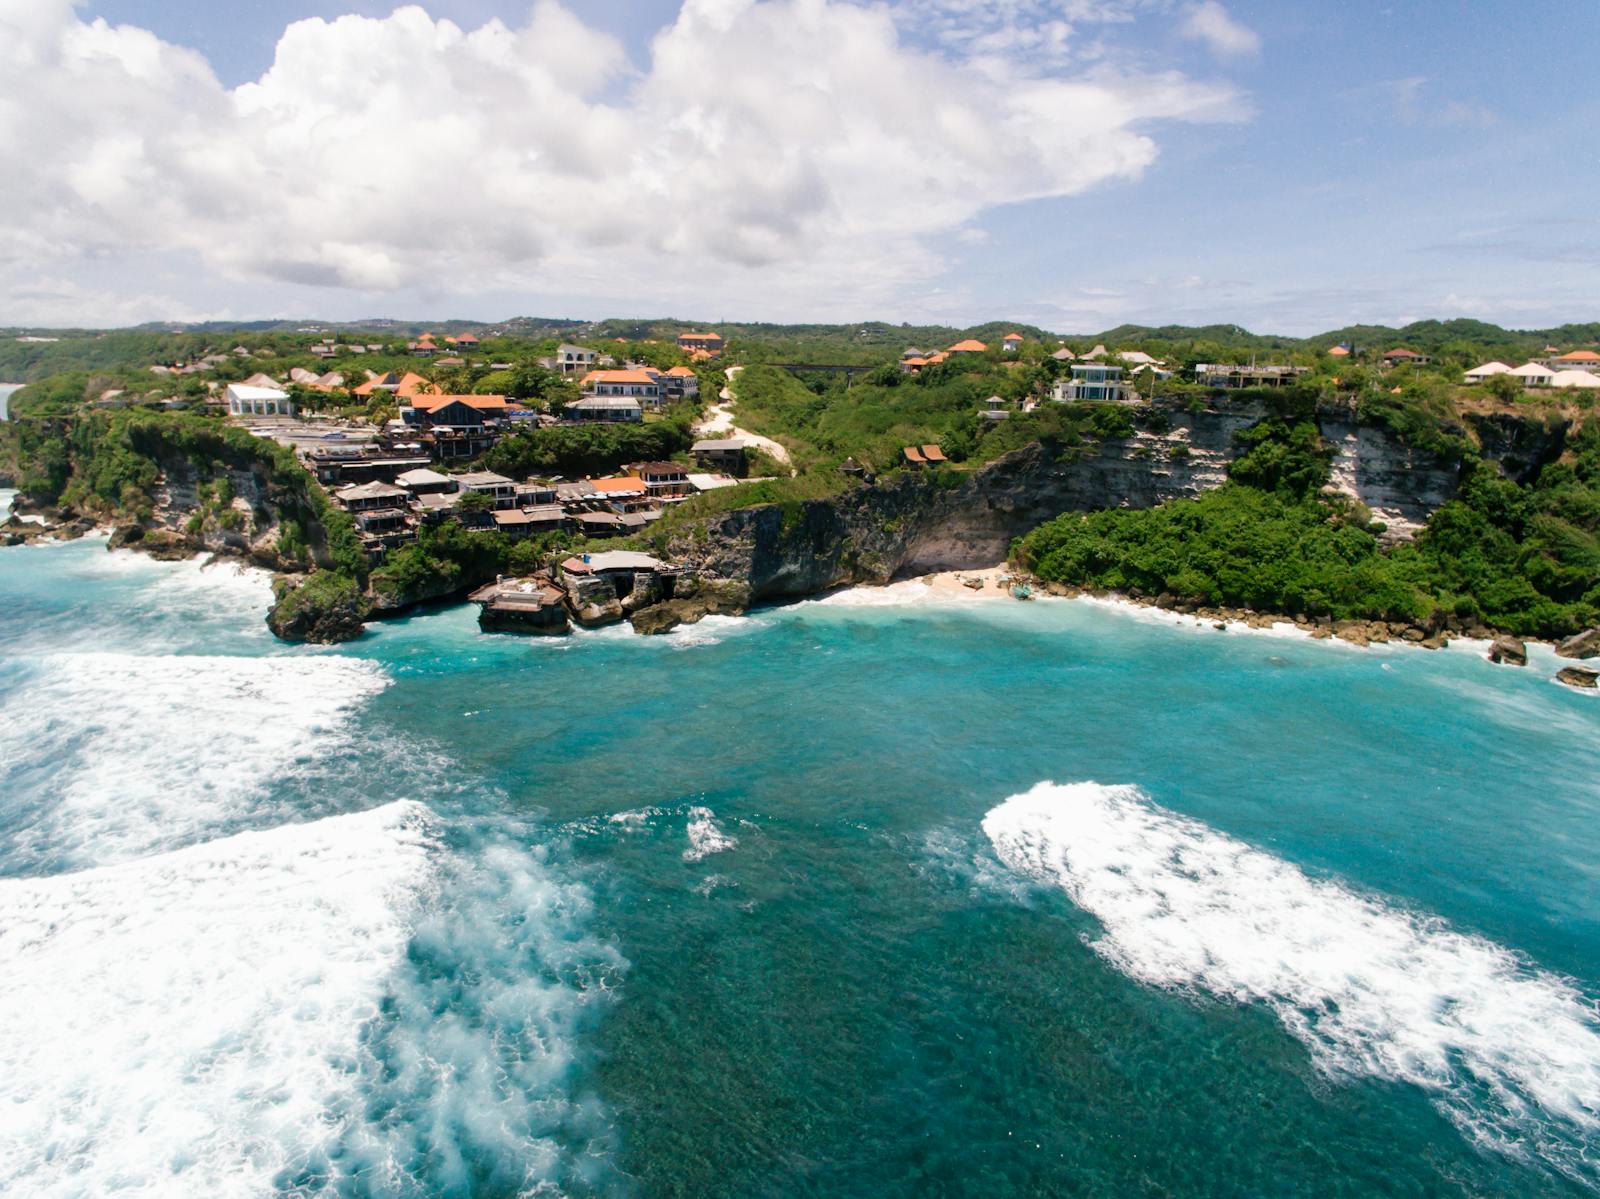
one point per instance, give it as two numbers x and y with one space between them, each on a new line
1290 167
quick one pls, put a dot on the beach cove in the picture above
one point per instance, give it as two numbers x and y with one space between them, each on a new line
854 895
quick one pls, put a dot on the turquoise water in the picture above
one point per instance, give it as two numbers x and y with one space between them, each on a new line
848 898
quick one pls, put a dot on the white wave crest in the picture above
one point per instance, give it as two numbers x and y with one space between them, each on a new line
710 630
179 1025
706 836
894 595
114 755
1510 1053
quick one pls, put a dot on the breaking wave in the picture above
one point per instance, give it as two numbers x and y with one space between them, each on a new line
1510 1053
470 1075
107 756
371 1003
181 1024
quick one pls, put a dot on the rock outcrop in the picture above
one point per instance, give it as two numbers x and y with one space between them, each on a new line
322 608
1579 676
592 602
1581 645
1508 651
693 599
1518 444
542 620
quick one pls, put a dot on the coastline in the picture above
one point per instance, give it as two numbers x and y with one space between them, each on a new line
947 587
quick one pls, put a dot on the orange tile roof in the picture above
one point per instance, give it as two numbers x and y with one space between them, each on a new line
969 346
681 372
431 403
623 484
1339 352
410 384
1012 337
1580 356
699 337
913 362
935 359
640 377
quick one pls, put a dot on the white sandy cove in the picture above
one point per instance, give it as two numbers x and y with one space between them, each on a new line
947 585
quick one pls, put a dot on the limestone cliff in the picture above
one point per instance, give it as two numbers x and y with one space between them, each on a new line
911 523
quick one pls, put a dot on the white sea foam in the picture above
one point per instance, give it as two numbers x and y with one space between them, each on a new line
711 630
467 1076
179 1025
706 836
114 755
893 595
1510 1053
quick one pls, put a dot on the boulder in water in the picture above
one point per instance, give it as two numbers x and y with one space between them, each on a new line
1508 651
1579 676
1581 645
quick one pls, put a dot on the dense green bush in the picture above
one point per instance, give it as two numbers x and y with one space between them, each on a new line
1521 558
1276 457
593 449
1236 546
446 558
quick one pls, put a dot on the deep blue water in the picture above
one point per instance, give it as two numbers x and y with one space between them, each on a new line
781 905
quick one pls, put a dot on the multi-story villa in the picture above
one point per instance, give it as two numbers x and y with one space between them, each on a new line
1094 381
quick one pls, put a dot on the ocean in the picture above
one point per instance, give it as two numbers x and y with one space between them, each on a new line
876 895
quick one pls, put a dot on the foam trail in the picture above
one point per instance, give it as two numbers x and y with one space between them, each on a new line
106 756
1510 1053
180 1025
468 1076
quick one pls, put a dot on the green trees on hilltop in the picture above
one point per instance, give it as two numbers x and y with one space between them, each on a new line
591 449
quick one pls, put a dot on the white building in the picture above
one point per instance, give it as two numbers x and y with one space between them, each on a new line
1531 374
640 384
1092 381
1481 374
570 358
606 408
246 400
1575 378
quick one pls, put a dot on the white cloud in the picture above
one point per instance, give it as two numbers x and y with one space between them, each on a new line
1413 107
1210 22
793 152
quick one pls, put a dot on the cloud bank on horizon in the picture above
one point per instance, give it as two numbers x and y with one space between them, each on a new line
796 156
768 159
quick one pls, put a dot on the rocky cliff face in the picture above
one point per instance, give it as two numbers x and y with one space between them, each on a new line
248 526
912 523
1401 486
